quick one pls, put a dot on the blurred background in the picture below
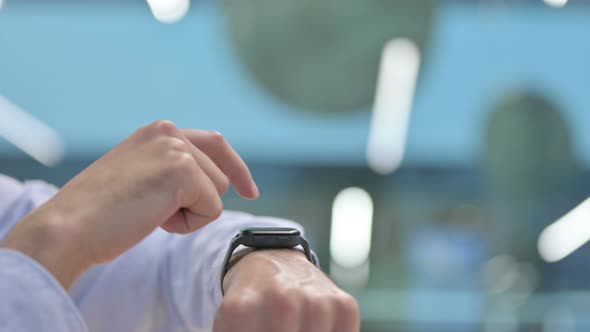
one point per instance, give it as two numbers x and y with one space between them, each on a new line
430 148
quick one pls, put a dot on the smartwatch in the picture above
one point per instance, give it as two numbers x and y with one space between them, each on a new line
267 238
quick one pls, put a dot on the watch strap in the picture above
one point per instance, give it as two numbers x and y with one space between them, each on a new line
239 240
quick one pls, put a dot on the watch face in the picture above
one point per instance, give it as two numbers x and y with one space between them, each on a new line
270 231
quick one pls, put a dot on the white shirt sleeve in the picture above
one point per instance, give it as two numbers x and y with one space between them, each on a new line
166 283
194 266
32 300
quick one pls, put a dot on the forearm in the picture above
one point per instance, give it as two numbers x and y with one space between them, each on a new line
43 236
273 261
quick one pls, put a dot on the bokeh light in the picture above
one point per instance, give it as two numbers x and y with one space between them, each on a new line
29 134
352 225
396 86
556 3
169 11
569 233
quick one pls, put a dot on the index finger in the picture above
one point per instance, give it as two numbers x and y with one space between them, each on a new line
216 147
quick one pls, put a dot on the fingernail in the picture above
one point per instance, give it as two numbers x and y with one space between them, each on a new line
255 189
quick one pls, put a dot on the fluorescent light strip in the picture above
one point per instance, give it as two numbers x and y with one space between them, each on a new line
556 3
29 134
352 225
400 65
566 235
169 11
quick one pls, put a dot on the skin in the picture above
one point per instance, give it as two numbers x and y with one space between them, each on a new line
162 176
280 291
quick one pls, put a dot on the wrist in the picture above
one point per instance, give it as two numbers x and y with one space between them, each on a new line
45 237
267 261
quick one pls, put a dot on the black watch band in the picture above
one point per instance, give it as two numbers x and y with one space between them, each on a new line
267 238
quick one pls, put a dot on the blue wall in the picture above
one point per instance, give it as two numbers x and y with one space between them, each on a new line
96 72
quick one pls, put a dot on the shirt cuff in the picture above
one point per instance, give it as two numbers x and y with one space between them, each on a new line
32 299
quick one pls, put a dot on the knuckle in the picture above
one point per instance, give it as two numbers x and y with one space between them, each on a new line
234 308
317 307
217 137
348 306
163 127
282 302
181 164
314 302
174 144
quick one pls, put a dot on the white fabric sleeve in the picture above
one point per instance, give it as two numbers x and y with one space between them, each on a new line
32 300
167 283
193 266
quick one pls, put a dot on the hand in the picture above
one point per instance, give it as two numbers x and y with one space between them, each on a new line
159 176
280 291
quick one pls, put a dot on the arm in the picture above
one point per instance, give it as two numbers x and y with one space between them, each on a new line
193 268
280 290
24 283
167 282
159 177
265 290
155 178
